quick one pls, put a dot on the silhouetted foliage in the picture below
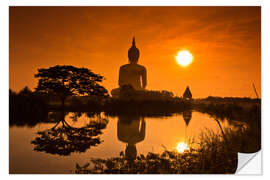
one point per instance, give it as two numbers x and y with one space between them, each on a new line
25 92
26 108
127 91
11 92
211 157
64 81
63 140
147 103
215 153
244 110
230 99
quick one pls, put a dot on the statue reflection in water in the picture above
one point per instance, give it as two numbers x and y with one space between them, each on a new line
187 115
131 130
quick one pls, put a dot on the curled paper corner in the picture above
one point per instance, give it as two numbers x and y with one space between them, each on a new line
249 163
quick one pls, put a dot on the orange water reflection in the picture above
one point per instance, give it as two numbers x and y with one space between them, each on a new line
181 147
128 134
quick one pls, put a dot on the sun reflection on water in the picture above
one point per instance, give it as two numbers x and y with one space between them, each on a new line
181 147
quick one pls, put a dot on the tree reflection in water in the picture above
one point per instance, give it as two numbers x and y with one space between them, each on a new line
64 139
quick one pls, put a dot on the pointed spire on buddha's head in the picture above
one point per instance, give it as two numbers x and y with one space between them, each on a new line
133 52
133 42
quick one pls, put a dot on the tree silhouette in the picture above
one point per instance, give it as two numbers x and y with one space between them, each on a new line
25 92
64 81
63 139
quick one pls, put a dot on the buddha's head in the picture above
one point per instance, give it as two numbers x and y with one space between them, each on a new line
133 53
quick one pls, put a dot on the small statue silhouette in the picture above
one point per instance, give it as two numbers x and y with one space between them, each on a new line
187 115
131 74
187 94
130 130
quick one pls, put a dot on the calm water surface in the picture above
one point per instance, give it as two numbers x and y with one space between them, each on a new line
148 134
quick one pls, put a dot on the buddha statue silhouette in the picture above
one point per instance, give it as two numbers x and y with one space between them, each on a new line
130 130
131 74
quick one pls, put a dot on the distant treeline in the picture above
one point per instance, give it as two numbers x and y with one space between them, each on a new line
230 99
29 107
26 106
148 102
35 106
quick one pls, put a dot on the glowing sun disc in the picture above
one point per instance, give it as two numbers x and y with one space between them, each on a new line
184 58
181 147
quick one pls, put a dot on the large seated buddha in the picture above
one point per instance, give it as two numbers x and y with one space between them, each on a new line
131 74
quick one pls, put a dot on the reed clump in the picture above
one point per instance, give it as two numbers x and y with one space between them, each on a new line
211 154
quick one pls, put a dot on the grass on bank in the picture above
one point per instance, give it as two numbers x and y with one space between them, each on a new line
212 155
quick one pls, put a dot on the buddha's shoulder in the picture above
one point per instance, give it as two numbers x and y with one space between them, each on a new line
124 66
138 66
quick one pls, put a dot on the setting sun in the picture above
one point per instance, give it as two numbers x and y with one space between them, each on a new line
184 58
181 147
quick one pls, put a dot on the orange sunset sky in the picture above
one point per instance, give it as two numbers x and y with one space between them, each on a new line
224 41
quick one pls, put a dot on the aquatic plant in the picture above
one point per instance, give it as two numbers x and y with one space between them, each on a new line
211 156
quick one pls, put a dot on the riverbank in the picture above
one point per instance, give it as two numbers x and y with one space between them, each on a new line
217 153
